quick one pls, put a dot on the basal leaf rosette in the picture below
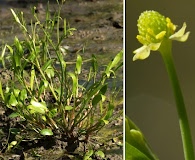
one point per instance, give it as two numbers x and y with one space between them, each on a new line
153 29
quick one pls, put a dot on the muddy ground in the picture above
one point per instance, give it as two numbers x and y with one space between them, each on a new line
99 31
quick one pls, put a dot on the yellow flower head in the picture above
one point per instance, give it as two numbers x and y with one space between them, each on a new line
153 28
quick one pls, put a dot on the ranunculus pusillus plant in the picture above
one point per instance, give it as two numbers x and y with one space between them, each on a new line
156 33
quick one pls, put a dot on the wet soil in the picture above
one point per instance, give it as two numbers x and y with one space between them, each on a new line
108 140
99 31
99 25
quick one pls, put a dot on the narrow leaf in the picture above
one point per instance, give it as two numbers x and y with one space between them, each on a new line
37 107
114 63
14 115
96 99
100 154
12 100
74 84
88 155
23 95
47 64
1 92
15 16
78 64
46 132
68 108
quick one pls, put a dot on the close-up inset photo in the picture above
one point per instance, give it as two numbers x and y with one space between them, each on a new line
160 80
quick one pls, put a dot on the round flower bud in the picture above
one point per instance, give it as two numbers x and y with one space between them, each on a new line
152 27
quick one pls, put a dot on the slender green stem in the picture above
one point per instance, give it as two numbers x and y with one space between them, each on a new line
166 53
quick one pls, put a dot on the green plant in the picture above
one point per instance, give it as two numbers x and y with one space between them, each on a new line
89 154
156 33
50 93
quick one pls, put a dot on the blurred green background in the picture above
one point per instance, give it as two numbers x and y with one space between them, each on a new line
149 97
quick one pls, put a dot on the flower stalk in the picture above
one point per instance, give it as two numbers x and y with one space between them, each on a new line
166 54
